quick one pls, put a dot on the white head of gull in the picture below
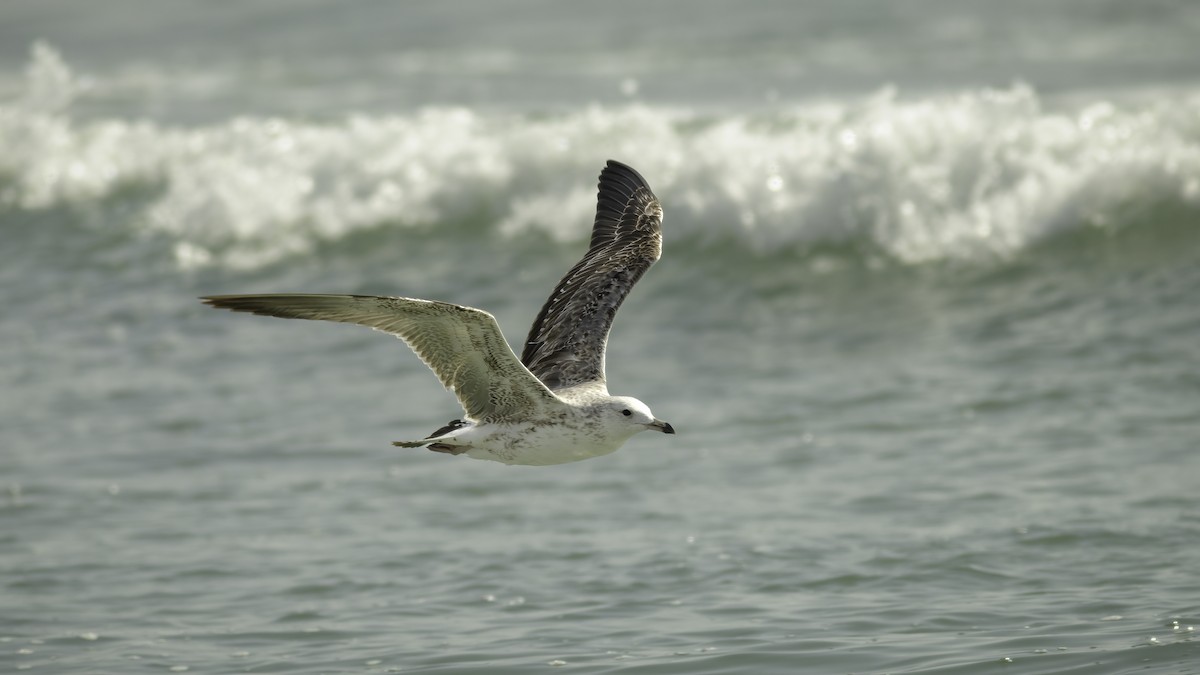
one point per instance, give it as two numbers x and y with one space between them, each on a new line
552 405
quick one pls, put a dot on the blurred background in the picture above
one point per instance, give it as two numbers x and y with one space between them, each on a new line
925 321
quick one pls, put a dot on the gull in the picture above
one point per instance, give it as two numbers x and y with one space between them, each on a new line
552 405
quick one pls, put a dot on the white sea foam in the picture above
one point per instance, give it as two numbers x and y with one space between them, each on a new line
979 174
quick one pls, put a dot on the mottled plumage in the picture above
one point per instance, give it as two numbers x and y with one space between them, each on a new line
566 344
552 405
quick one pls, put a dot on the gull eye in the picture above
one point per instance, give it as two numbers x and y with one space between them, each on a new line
626 412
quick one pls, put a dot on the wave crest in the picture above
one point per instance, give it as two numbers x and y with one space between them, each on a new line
981 174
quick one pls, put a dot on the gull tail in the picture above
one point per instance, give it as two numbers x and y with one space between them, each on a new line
433 444
433 441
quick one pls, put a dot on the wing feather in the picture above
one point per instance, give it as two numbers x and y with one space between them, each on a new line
462 345
566 343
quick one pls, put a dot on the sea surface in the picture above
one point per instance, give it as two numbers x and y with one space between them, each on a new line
927 323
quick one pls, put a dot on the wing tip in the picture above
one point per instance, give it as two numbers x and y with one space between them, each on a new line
615 169
215 300
261 304
235 303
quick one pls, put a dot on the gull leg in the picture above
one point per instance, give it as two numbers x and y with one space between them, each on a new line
448 449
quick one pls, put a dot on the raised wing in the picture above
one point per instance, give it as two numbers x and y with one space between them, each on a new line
462 345
566 344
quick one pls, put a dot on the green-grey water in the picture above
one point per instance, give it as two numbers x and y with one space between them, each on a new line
932 356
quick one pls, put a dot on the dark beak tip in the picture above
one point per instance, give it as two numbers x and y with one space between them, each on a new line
667 428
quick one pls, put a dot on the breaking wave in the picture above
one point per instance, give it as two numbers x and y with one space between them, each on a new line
979 175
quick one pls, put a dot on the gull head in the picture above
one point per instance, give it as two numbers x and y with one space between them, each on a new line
632 416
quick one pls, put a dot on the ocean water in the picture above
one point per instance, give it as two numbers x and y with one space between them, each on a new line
927 324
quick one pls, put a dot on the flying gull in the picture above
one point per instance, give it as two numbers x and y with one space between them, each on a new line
552 405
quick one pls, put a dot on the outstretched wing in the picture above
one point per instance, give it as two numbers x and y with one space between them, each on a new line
462 345
566 344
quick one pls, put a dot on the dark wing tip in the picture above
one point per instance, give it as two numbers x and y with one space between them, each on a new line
234 302
253 304
622 178
619 187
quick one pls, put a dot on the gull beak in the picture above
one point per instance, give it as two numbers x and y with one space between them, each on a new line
662 426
